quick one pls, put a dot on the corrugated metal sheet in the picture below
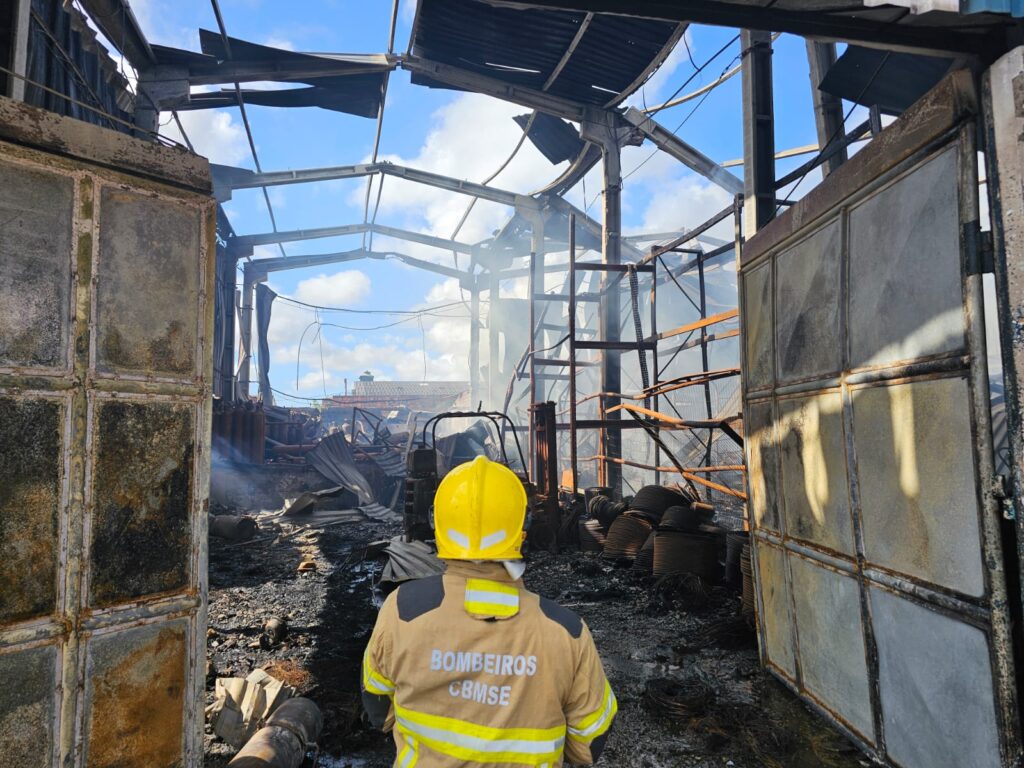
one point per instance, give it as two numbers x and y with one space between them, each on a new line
556 139
524 47
889 79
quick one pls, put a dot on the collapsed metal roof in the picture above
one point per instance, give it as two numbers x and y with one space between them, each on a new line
588 58
350 83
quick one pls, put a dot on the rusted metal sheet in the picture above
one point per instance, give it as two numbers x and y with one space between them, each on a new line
135 697
104 458
941 110
934 672
888 548
146 246
807 295
764 457
833 662
27 707
815 500
922 431
143 482
30 500
35 282
758 371
906 301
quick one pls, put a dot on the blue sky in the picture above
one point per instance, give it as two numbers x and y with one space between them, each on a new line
461 135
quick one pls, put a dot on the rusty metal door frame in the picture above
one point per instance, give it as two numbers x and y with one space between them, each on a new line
81 638
944 121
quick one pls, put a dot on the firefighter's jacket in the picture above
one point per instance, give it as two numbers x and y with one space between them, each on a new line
470 668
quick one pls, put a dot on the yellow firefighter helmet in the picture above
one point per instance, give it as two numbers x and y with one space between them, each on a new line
479 511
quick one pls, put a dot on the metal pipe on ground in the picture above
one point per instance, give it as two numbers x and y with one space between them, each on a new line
293 728
233 528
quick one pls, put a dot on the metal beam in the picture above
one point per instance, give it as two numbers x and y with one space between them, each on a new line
828 109
272 238
262 267
227 178
819 24
671 144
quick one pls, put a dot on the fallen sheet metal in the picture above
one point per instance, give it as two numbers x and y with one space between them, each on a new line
338 498
334 460
408 560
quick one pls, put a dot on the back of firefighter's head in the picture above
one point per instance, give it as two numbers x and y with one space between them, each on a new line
479 511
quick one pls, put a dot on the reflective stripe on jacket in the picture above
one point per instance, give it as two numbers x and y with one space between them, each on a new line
470 668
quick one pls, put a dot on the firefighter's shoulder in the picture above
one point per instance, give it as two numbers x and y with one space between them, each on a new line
561 616
417 598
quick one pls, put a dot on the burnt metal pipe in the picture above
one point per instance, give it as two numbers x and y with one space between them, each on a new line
233 528
293 728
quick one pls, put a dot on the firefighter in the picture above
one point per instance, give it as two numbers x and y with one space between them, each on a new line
470 668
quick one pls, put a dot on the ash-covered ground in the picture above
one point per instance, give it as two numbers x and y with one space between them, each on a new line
663 644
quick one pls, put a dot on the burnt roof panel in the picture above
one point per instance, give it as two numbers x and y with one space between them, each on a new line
524 47
556 139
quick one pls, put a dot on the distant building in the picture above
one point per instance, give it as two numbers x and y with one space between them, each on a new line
432 396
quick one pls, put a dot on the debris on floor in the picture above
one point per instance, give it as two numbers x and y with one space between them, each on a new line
240 705
679 652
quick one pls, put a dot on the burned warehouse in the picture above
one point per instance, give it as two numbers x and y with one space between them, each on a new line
511 382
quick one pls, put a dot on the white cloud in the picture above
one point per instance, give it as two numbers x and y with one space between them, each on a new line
214 134
341 289
279 42
408 11
685 202
468 139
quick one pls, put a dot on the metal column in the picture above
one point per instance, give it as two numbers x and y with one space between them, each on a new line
493 381
1004 158
245 333
758 131
474 344
828 109
600 127
573 451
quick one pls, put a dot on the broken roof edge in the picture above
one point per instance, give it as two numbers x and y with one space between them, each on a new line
38 128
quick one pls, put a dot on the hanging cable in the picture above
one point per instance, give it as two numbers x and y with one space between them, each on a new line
245 119
841 130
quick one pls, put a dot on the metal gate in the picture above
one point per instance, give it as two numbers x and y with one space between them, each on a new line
105 317
882 598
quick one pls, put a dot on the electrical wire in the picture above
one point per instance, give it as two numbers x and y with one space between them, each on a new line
841 129
426 310
245 118
376 139
165 140
696 72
